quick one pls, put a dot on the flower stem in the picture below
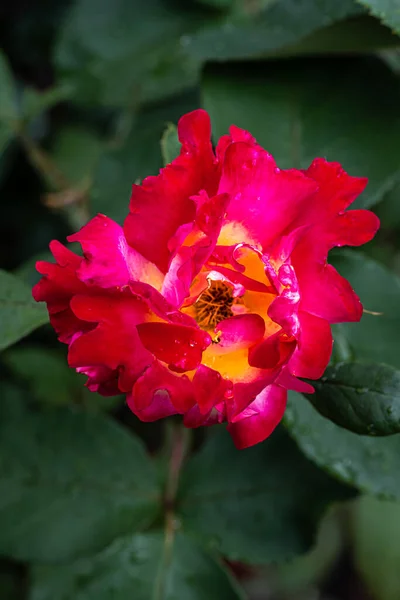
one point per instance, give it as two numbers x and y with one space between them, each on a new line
179 442
179 448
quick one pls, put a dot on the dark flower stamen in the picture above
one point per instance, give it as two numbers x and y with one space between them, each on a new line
214 305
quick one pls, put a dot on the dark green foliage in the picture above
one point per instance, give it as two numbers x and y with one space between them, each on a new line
90 95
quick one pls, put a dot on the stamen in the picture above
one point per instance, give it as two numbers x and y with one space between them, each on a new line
214 305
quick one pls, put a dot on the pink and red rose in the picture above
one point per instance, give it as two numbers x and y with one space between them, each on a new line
215 296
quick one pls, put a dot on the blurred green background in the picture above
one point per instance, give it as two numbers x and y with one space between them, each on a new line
90 93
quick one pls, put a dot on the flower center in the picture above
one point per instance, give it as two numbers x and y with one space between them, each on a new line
214 305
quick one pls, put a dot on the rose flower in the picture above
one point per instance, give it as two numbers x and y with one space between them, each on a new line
215 296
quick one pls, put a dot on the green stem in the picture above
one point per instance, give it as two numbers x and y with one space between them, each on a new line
180 443
179 448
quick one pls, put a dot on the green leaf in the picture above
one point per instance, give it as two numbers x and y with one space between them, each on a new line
386 10
170 144
52 381
307 570
388 210
19 313
128 51
70 482
140 567
139 157
378 335
357 35
315 108
362 397
258 505
376 540
46 371
392 58
368 463
76 151
35 102
282 24
8 106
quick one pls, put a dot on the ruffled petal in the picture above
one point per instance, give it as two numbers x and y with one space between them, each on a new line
195 418
162 204
314 348
159 305
101 379
352 228
272 352
289 382
195 248
283 310
244 394
60 280
260 418
57 286
160 393
327 295
109 261
210 388
323 291
265 199
114 343
336 190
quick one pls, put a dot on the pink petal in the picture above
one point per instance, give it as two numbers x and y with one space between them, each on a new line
101 379
160 393
209 387
244 394
324 292
114 343
264 198
60 279
327 295
109 261
283 310
189 259
271 352
195 418
236 134
159 305
239 280
289 382
240 331
352 228
58 284
159 408
260 418
162 203
336 190
180 346
314 348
